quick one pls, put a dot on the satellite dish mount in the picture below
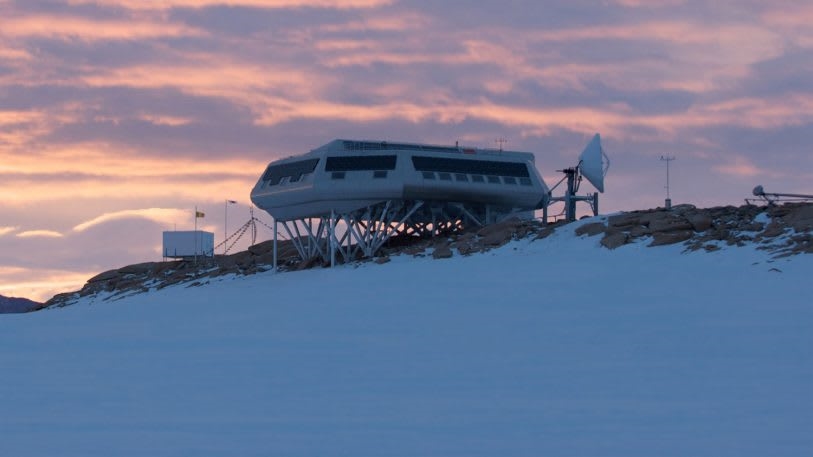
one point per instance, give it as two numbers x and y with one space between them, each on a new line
593 165
772 198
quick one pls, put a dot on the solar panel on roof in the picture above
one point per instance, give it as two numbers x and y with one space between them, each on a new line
481 167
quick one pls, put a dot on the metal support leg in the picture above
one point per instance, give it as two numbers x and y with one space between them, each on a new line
595 204
275 245
332 238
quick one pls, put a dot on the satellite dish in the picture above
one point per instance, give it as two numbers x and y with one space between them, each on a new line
594 163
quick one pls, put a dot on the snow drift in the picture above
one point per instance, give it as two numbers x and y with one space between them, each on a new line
551 346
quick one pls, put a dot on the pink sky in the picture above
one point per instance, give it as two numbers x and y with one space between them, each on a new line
118 117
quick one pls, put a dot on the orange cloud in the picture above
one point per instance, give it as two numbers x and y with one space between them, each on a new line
401 22
173 121
9 53
109 193
161 215
17 282
19 117
39 234
680 32
93 172
741 167
790 14
66 27
214 76
6 230
609 119
268 4
97 159
649 3
700 59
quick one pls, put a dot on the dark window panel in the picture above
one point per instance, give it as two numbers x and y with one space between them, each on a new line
275 173
482 167
385 146
357 163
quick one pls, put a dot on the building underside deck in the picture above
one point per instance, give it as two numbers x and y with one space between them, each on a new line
362 233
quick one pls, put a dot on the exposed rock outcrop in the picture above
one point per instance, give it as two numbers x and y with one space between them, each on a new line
781 230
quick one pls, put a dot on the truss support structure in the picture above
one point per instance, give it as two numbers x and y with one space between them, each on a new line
343 237
570 198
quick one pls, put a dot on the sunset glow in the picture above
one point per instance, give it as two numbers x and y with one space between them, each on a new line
119 117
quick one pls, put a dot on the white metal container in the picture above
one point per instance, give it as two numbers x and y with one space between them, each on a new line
188 243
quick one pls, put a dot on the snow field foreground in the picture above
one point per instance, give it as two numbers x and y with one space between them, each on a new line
548 347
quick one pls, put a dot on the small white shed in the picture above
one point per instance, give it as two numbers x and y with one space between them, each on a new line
189 243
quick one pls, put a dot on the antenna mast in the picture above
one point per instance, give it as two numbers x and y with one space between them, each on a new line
667 159
501 141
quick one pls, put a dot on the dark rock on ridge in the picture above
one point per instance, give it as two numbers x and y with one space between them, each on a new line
782 230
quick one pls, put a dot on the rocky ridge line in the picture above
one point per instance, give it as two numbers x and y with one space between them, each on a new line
781 230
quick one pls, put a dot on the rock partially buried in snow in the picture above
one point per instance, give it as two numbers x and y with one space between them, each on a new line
700 222
783 231
105 276
800 219
499 233
591 229
669 224
671 237
614 240
442 252
624 220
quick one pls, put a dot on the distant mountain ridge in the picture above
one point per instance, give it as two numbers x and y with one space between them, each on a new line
781 231
10 305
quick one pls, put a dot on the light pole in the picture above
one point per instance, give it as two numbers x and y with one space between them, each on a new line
668 197
226 223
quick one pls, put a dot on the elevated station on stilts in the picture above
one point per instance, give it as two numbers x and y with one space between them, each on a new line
346 199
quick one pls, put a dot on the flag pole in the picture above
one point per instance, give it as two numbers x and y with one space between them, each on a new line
226 222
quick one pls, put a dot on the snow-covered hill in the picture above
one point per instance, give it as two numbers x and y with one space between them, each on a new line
552 346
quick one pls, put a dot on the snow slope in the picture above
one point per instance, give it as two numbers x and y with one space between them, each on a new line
549 347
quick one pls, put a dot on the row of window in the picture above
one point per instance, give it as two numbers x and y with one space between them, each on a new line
430 167
461 177
377 174
383 145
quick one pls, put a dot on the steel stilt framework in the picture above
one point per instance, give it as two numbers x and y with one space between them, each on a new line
358 234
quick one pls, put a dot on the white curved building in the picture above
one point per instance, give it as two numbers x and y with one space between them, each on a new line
379 186
346 175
